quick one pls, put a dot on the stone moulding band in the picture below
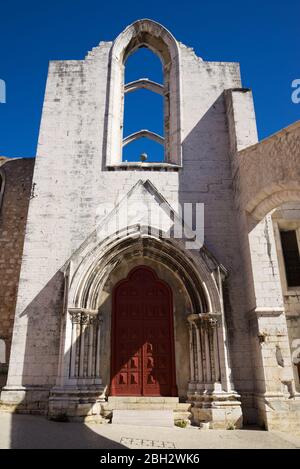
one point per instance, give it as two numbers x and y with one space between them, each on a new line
266 311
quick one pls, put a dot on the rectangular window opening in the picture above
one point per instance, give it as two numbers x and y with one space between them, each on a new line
291 257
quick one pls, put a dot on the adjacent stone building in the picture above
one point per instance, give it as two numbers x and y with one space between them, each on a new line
15 189
119 305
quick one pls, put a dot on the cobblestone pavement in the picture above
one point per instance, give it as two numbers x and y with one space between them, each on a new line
27 431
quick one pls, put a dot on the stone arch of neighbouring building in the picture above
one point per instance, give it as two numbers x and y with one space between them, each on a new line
268 177
269 172
264 204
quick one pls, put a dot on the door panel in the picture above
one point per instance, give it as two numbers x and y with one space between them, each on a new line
142 337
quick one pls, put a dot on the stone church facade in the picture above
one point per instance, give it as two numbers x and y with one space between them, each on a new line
101 311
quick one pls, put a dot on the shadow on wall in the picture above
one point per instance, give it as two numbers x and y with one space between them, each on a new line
206 178
32 431
36 431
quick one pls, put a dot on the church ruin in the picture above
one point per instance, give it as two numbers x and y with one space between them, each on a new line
98 316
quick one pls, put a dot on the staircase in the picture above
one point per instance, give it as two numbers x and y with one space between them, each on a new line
146 411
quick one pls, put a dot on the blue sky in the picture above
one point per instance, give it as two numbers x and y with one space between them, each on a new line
262 35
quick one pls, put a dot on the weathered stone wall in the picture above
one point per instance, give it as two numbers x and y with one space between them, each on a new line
261 176
206 177
17 176
71 180
287 217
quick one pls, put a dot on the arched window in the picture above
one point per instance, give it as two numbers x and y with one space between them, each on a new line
2 185
143 118
163 127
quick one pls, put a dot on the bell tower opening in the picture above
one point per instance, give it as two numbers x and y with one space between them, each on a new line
164 105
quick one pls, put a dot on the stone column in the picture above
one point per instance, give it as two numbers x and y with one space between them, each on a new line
79 393
75 319
85 346
211 402
90 370
204 351
192 358
98 324
209 323
199 359
277 403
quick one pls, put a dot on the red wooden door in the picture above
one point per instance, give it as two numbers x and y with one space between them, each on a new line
142 337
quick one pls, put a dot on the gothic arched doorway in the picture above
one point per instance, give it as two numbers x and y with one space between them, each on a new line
142 346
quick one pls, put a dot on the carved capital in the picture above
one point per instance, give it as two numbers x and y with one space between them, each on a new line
210 320
205 320
75 314
84 316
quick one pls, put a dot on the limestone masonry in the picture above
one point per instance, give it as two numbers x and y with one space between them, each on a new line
99 316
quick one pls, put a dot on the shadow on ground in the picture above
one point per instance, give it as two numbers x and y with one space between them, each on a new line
37 432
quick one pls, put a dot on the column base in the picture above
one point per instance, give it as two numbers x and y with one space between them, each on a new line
70 403
65 404
219 410
278 412
24 399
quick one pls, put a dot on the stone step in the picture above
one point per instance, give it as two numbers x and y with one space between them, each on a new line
143 399
155 405
145 403
151 418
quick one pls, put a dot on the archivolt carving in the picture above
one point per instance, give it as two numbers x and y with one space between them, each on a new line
92 272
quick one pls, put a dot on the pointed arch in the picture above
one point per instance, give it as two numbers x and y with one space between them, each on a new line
97 263
144 33
144 83
143 134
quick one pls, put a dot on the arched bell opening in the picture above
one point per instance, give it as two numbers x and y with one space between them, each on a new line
154 37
